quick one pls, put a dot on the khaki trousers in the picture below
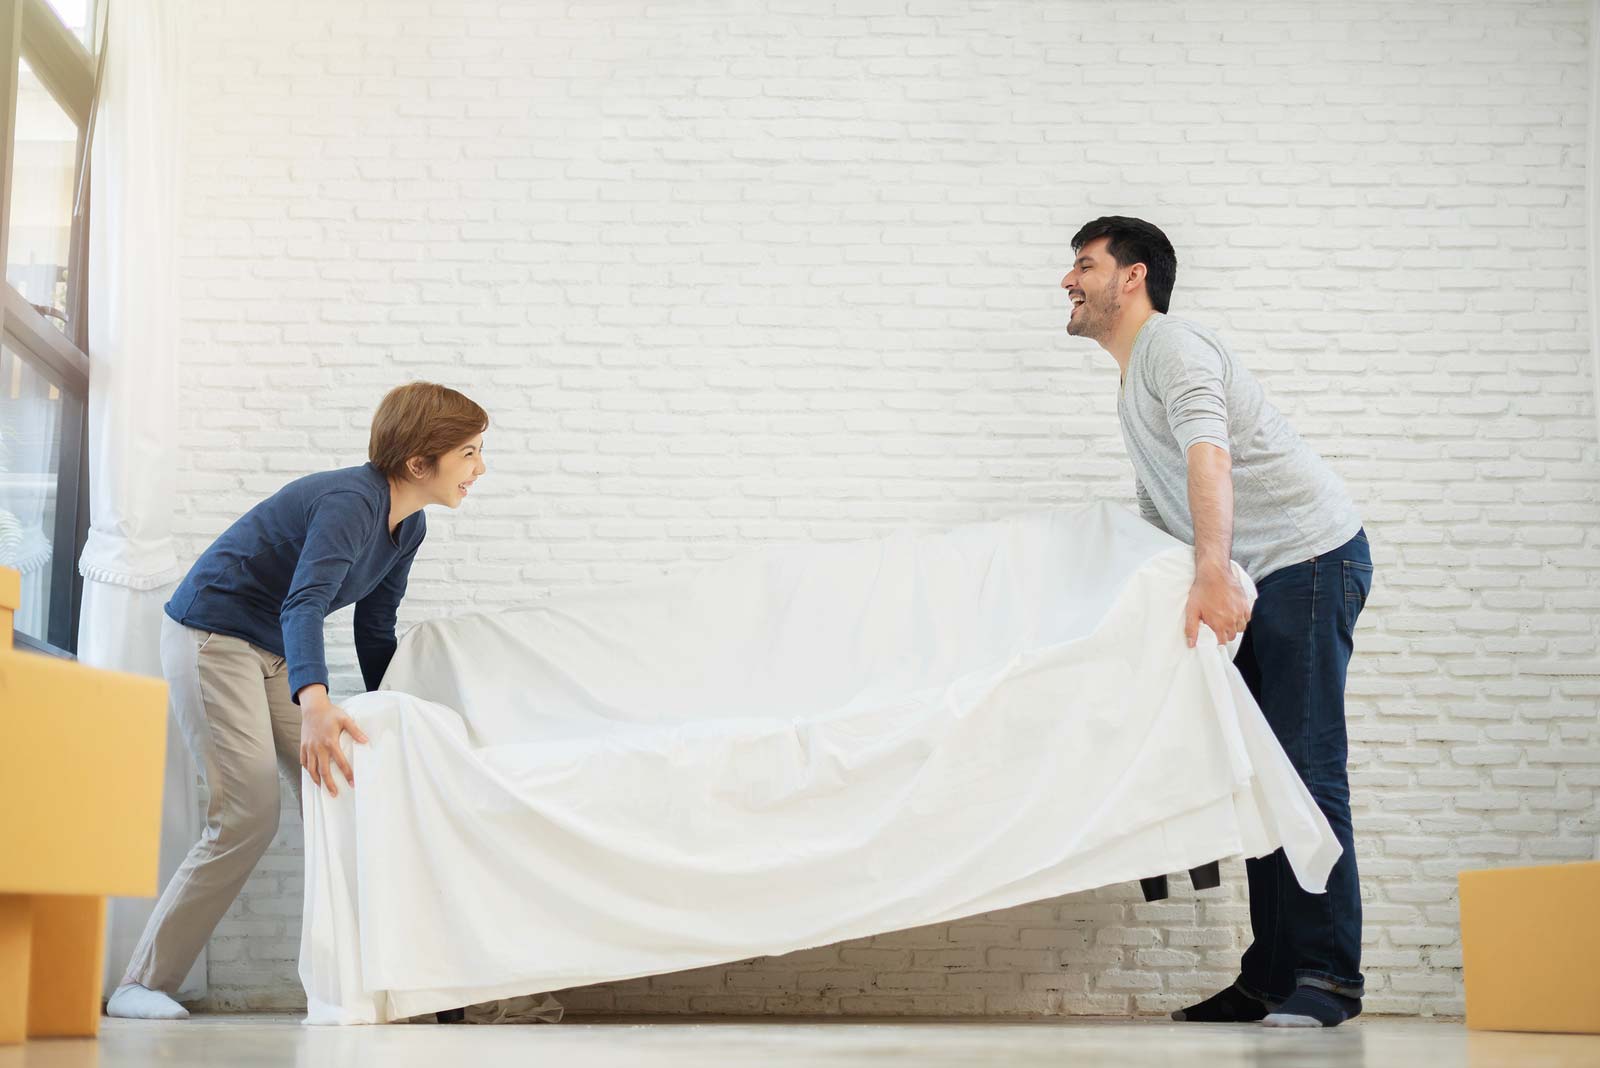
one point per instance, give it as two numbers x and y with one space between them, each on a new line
231 701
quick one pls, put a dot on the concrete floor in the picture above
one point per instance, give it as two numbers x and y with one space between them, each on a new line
250 1041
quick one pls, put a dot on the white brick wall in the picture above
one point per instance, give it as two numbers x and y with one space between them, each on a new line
729 273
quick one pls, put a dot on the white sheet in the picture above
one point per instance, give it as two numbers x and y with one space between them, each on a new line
789 749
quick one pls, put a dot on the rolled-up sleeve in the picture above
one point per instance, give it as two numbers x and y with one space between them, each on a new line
1188 377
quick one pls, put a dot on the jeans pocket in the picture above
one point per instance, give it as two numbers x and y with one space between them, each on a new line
1357 582
202 639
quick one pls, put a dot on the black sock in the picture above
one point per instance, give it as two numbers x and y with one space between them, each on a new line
1313 1003
1230 1006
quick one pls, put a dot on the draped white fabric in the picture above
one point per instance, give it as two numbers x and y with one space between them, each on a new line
789 749
129 563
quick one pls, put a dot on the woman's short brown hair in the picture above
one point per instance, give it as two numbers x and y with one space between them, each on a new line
421 419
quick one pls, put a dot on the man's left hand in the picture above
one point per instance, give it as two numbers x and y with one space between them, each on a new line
1217 600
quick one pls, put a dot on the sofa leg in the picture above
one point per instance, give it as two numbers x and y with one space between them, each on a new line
1155 888
1206 876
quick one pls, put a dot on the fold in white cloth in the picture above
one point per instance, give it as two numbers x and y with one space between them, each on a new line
789 749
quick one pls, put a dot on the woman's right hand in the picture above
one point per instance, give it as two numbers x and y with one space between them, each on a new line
321 723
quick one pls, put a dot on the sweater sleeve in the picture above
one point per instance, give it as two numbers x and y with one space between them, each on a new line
375 618
338 526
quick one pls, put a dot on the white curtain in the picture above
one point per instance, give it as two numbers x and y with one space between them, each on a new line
129 564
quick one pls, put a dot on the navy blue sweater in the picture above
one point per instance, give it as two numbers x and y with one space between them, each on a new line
319 544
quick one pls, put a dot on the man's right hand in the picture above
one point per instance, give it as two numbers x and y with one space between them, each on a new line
321 723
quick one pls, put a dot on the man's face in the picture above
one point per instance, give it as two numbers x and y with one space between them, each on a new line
1093 285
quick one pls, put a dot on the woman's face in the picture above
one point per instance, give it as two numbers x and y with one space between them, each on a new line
453 476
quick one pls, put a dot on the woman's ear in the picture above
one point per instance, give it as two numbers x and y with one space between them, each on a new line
416 468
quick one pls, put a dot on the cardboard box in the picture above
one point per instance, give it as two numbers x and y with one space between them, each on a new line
1530 941
80 784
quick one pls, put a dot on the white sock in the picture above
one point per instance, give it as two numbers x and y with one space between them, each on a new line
1288 1019
134 1002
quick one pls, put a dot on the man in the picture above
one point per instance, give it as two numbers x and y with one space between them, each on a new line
1217 466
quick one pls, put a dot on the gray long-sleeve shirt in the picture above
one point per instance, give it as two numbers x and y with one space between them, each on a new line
1183 386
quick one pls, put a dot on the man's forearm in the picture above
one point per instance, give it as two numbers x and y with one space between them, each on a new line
1211 505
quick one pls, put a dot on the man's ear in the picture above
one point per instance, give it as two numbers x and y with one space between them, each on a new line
416 467
1136 275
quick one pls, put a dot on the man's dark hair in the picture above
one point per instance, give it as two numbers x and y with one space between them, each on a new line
1136 241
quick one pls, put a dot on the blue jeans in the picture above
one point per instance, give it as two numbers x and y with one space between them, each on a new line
1293 657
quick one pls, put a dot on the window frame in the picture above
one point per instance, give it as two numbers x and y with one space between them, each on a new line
31 30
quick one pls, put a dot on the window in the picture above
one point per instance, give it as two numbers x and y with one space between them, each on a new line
44 166
30 475
44 362
77 16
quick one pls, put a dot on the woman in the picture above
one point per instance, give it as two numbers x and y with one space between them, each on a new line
241 649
